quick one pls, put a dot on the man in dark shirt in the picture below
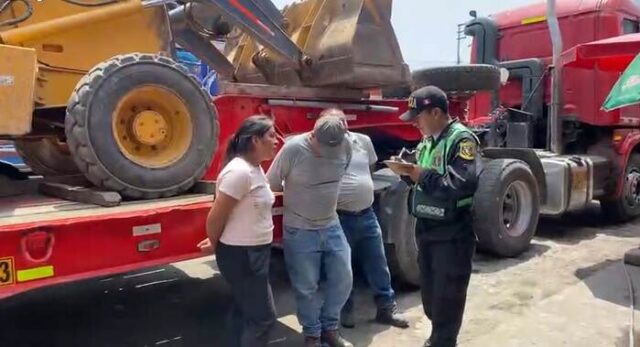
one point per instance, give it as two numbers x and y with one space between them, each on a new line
444 181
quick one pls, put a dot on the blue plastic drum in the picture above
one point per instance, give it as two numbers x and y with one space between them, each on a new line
207 76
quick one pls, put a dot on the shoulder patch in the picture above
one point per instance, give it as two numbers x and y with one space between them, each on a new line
437 159
467 149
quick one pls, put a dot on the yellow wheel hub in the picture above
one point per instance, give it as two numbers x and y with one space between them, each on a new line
152 126
149 128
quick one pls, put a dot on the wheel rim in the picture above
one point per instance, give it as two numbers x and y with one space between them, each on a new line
516 208
152 126
632 188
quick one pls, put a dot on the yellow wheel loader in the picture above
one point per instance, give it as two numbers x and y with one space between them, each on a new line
90 86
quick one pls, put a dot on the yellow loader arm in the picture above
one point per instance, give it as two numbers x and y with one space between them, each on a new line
318 43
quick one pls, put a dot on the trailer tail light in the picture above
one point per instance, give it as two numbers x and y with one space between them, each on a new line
37 246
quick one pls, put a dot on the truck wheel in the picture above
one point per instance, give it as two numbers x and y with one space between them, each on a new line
399 227
140 125
459 78
506 207
47 156
627 206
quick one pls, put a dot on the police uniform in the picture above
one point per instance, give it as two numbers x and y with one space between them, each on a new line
441 201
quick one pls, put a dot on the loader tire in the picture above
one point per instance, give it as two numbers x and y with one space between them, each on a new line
47 156
459 78
142 126
506 207
627 206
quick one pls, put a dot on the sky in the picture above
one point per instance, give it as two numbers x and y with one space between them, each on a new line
426 29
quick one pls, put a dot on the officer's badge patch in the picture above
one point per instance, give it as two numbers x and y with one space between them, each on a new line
467 150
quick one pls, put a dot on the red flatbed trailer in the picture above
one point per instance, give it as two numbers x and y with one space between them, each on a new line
46 241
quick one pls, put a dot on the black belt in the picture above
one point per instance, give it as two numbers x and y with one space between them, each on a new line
354 213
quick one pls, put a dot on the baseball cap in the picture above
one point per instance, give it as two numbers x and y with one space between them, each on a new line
329 130
425 98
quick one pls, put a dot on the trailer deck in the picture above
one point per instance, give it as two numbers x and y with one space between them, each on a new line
60 241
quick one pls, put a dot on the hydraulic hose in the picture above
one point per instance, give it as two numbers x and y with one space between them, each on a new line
22 18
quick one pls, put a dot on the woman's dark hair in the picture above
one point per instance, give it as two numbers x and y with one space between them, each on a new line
241 142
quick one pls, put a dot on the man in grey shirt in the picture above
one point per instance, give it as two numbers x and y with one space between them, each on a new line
308 169
362 229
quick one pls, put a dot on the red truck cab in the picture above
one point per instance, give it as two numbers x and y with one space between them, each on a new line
522 34
537 161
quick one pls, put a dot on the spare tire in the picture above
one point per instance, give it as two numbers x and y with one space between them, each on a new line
47 156
396 92
506 207
459 78
142 126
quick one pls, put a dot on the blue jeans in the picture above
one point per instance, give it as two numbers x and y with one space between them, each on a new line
306 253
365 238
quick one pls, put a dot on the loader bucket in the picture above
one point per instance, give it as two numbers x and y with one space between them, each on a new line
350 43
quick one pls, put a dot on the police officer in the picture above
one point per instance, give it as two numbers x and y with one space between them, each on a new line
443 183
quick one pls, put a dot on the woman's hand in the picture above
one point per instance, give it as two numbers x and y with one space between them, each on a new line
206 246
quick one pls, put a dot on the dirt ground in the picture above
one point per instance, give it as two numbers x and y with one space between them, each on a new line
569 289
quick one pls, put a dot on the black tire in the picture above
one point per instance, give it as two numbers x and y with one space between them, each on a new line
502 182
6 184
398 92
47 156
623 209
459 78
398 226
9 172
94 147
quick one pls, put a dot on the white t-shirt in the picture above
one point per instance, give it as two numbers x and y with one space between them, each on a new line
250 223
356 187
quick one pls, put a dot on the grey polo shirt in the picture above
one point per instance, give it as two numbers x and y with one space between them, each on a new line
310 182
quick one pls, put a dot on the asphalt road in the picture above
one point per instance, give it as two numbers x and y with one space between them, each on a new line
569 289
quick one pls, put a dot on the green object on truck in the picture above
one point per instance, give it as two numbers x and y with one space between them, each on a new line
626 91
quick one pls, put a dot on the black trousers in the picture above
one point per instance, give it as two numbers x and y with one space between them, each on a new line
246 269
445 266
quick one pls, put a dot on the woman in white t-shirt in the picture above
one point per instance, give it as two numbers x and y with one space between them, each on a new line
240 230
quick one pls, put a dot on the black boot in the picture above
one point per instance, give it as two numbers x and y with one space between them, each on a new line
332 338
347 319
390 316
312 341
